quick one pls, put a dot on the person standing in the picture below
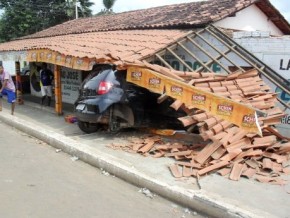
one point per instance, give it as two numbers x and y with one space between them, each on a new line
46 78
8 88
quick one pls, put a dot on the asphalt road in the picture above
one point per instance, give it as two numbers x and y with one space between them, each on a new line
36 181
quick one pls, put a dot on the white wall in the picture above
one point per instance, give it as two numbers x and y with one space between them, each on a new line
9 66
275 52
249 19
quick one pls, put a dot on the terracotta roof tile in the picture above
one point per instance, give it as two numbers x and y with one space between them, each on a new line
236 171
178 16
134 44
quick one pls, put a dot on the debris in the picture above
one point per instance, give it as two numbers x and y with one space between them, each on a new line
187 211
229 149
74 158
58 150
105 173
146 192
70 118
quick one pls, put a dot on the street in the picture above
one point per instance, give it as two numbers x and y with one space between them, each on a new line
37 181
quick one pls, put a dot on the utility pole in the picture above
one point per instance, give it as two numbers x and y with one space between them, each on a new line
77 13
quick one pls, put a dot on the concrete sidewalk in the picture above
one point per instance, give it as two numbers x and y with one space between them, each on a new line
218 196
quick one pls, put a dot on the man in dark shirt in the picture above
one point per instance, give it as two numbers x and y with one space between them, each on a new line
46 78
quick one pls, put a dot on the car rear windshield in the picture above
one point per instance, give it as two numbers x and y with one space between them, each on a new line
94 79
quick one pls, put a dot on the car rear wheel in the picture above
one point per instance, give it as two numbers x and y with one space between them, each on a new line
88 127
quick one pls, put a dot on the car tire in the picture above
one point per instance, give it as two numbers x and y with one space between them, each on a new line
88 127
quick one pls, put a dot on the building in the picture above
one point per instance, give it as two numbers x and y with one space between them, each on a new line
182 36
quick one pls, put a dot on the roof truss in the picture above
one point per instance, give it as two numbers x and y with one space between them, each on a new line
211 46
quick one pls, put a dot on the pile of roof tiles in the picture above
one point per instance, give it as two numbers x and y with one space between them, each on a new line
229 150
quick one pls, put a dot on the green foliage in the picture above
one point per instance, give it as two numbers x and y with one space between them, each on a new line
25 17
108 7
109 4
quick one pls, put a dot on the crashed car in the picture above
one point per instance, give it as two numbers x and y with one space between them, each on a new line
107 100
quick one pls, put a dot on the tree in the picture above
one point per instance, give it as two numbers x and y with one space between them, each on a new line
25 17
109 4
108 7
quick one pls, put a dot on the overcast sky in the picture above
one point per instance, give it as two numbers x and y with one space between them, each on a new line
126 5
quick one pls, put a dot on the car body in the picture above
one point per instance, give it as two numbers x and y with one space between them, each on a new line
107 99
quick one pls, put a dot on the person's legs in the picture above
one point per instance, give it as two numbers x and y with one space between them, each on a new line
49 94
42 99
1 96
11 98
43 93
49 100
1 103
12 108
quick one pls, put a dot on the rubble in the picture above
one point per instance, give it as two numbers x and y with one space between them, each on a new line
74 158
146 192
230 151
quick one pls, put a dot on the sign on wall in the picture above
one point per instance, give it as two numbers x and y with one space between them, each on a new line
70 82
239 114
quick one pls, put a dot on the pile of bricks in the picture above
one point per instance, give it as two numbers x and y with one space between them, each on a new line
229 150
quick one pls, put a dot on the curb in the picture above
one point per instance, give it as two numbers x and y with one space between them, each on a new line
195 200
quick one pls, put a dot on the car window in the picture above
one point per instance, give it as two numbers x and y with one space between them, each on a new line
94 79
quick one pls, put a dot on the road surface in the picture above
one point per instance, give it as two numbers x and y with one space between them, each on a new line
38 181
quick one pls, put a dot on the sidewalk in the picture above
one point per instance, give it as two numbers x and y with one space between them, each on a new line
218 196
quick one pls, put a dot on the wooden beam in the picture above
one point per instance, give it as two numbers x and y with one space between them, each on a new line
232 47
194 57
223 54
209 55
178 58
163 61
57 85
19 98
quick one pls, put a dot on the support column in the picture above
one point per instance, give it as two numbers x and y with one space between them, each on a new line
57 90
19 98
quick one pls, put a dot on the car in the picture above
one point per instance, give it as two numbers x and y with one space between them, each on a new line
107 100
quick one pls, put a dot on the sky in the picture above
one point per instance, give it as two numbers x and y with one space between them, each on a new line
127 5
